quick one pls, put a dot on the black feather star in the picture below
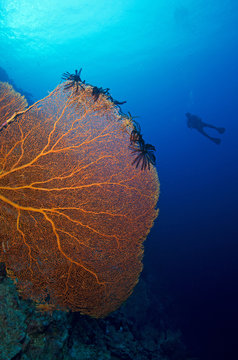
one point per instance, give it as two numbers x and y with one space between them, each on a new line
144 154
73 80
97 91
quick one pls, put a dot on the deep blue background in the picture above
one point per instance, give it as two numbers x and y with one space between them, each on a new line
165 58
193 247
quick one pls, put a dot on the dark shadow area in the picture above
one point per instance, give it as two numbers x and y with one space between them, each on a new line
5 78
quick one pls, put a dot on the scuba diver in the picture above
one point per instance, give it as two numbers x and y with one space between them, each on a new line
194 122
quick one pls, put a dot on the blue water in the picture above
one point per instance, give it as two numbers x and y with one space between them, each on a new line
165 58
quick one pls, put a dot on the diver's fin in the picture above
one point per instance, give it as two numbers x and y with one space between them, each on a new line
221 130
216 140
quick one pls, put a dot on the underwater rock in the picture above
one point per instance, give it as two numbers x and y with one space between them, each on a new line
12 322
71 336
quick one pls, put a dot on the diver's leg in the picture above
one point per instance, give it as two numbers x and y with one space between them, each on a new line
221 130
215 140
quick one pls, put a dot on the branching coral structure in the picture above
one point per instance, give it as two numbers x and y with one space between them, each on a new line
74 211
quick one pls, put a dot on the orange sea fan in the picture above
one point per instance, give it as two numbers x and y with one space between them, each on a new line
74 212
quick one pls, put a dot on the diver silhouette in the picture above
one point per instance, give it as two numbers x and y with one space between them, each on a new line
195 122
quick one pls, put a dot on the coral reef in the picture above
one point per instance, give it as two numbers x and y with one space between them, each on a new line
127 334
136 331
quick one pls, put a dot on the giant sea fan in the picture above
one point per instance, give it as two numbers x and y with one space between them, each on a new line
74 211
